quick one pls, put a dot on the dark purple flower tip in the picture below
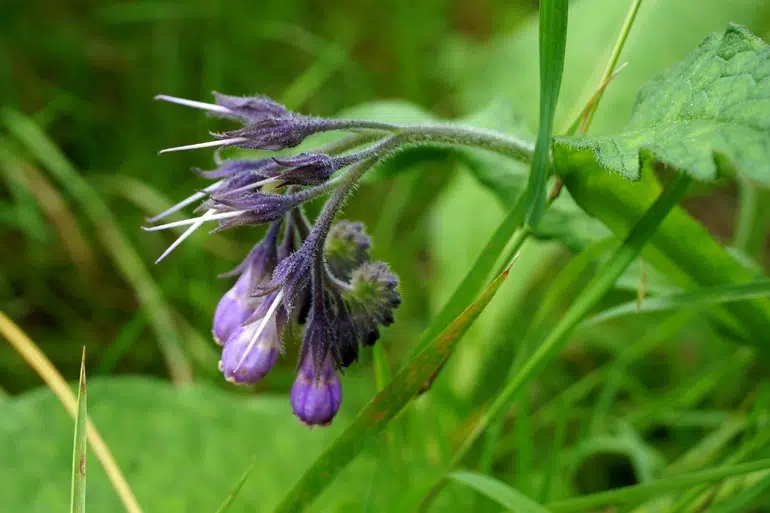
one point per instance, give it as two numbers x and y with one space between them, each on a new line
249 109
251 351
347 247
273 133
305 169
317 392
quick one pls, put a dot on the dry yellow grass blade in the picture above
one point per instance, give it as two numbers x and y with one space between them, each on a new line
45 369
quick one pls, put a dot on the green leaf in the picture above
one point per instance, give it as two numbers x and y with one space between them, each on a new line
708 113
504 495
78 493
553 38
180 448
384 406
508 65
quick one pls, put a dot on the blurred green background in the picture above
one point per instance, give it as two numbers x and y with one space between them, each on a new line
86 73
79 173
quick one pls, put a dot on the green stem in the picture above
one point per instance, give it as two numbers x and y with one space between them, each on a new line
584 303
497 142
747 212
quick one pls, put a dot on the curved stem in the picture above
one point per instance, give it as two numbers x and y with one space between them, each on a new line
497 142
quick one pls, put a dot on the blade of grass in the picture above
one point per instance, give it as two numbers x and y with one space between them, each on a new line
45 369
79 447
592 293
506 496
237 488
115 244
126 338
553 41
743 500
552 463
620 42
700 297
373 418
654 488
54 208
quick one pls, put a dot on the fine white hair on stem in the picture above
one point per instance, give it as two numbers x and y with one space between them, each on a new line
189 231
207 144
202 219
187 201
194 104
260 328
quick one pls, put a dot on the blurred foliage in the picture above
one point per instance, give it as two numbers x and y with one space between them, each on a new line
87 71
631 400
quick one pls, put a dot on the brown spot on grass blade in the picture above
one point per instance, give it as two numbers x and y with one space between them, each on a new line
78 492
373 418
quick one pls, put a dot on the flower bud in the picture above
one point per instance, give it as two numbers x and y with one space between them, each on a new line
250 207
250 109
272 133
233 167
305 169
238 304
232 311
372 298
347 247
317 393
246 359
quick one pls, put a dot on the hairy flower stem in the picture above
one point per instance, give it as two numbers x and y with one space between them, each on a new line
642 231
497 142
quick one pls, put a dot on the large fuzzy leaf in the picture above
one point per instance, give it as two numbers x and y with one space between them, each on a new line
709 110
181 449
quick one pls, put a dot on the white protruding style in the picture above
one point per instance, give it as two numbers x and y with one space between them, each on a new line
187 201
184 235
207 144
194 104
260 329
202 219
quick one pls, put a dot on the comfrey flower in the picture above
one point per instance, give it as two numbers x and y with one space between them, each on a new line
239 303
317 279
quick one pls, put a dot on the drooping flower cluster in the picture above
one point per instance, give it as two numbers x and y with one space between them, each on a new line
316 279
